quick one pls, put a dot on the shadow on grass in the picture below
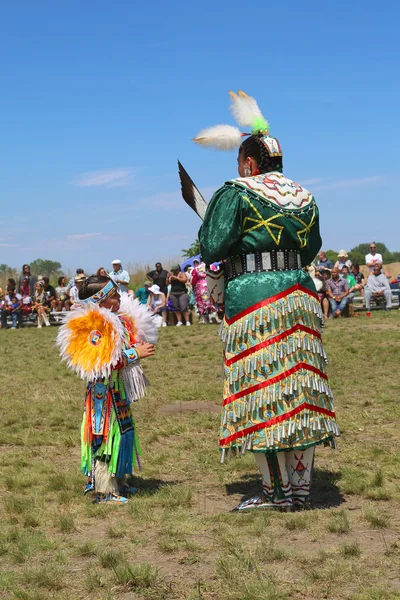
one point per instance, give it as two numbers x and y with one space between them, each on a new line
324 490
150 486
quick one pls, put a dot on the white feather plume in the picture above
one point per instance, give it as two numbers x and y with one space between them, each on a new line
143 318
245 109
220 137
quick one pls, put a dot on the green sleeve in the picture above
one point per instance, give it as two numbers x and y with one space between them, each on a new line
314 241
222 226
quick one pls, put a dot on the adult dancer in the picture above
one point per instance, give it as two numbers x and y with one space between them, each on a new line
103 340
277 401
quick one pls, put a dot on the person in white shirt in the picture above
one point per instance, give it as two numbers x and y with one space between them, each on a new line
120 276
373 258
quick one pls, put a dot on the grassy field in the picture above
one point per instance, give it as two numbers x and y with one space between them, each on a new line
177 539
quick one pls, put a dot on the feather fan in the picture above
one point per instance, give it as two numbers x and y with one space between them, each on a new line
246 112
191 194
220 137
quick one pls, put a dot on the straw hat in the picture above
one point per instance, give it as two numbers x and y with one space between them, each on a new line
343 253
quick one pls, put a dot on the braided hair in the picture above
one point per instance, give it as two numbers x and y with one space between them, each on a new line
91 285
253 147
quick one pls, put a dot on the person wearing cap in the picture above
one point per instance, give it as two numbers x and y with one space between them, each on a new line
143 293
74 291
178 294
71 282
343 259
120 276
157 303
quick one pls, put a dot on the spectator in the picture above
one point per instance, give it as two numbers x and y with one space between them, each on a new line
74 291
71 282
324 264
337 290
50 294
205 307
26 274
13 308
62 300
120 276
378 287
343 259
359 277
178 294
25 291
143 293
8 308
157 303
188 270
373 258
39 305
2 307
322 295
101 272
159 277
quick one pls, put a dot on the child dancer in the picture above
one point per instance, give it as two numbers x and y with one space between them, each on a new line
103 340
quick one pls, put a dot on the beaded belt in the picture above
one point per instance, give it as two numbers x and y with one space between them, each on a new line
261 262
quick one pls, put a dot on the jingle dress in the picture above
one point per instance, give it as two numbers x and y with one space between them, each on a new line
276 397
199 284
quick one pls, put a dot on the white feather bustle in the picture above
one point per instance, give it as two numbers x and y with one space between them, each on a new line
146 327
64 338
220 137
245 109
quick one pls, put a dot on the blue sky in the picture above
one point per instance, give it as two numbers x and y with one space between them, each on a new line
100 99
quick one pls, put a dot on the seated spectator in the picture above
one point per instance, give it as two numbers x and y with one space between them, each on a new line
143 293
62 299
12 305
39 305
373 258
337 290
25 291
156 302
74 291
359 277
343 259
159 277
27 275
50 294
323 263
71 282
351 280
378 288
120 276
324 276
2 307
13 308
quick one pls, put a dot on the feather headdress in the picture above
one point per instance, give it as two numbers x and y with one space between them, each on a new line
246 113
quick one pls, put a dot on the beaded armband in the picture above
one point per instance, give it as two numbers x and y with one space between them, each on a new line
131 355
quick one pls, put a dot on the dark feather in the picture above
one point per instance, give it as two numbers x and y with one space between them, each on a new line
191 194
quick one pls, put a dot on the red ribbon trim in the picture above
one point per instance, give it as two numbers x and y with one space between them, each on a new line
273 380
269 300
274 340
275 420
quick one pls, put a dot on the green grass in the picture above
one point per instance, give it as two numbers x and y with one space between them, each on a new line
177 539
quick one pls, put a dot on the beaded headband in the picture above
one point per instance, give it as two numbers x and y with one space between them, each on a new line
108 290
247 114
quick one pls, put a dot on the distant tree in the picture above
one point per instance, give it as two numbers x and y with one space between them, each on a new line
45 267
193 250
358 253
331 255
5 269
